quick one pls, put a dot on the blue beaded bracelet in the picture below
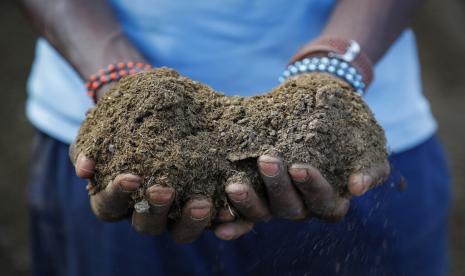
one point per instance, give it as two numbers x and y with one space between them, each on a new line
335 66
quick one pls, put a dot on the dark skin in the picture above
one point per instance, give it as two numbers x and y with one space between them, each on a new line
294 191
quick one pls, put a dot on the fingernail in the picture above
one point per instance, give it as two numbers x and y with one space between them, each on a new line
159 195
299 175
269 169
200 212
237 192
129 184
82 162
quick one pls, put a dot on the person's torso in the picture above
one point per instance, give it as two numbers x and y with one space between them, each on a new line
239 47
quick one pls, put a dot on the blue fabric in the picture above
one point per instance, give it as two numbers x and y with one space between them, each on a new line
237 46
386 232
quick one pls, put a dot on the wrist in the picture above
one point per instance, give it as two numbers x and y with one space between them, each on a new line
113 48
97 84
340 57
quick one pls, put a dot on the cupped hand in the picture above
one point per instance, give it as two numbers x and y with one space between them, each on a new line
294 192
113 203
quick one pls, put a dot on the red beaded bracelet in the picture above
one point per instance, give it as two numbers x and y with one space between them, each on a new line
113 73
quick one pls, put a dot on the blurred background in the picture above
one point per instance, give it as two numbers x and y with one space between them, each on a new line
440 29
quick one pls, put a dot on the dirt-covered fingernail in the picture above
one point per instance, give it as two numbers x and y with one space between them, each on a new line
237 192
200 213
129 183
159 195
298 174
200 209
269 166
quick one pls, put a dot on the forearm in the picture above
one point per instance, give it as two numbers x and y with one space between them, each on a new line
374 24
85 32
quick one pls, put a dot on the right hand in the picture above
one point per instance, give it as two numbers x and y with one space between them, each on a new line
113 203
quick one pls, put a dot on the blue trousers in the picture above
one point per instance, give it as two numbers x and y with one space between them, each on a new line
386 232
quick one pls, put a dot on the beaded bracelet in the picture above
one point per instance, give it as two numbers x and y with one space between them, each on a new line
113 73
335 66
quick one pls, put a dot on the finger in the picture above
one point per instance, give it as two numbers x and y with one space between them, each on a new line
226 214
233 230
361 182
85 167
283 198
153 221
196 215
113 203
246 201
320 197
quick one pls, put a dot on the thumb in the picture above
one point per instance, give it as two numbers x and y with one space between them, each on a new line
85 167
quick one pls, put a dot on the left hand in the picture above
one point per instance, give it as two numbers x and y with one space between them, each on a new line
296 192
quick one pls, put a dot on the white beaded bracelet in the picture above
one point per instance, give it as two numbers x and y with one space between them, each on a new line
335 66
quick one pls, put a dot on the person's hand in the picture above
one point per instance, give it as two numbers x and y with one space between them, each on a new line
296 192
293 191
113 203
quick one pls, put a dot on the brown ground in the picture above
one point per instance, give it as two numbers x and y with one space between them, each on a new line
442 50
176 132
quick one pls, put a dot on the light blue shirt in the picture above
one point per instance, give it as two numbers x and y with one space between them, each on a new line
239 47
